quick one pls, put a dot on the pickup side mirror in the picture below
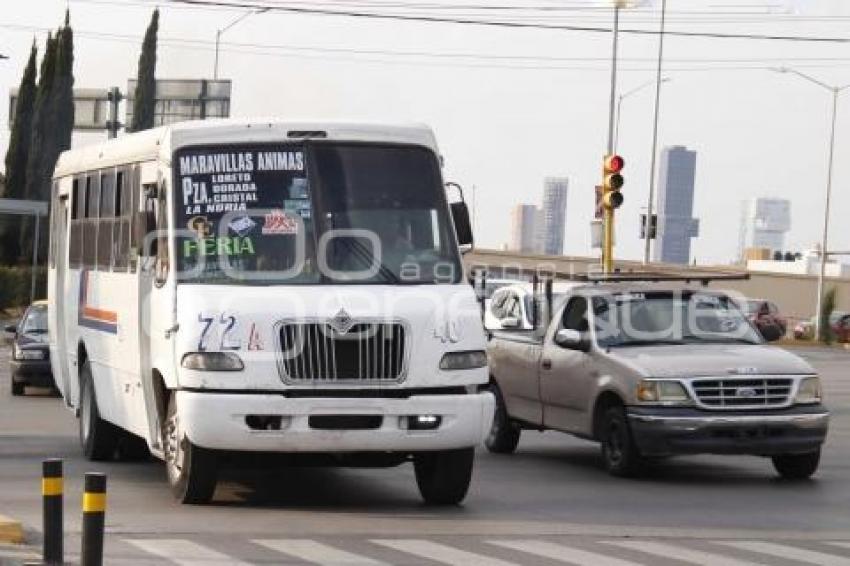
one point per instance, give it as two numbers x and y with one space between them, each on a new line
572 340
771 332
11 328
463 227
510 322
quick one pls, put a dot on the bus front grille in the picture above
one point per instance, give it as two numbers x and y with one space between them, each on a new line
367 351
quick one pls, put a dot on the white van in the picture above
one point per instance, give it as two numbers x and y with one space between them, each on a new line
260 286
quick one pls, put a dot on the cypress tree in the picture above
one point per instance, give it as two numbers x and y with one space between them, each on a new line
64 98
42 133
144 99
16 159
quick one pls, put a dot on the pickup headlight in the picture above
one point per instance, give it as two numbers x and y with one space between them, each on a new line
464 360
809 391
662 392
212 361
20 354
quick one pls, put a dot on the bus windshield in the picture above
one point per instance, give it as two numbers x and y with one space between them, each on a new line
312 214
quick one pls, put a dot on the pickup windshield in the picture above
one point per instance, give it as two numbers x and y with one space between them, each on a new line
313 214
669 318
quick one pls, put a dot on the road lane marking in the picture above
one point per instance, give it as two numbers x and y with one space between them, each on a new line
563 553
441 552
841 543
789 552
675 552
184 552
318 553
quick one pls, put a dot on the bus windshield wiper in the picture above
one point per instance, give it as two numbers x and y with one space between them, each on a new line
363 252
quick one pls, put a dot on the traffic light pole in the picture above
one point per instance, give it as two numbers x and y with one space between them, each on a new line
608 214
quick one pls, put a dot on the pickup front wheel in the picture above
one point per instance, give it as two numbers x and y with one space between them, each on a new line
504 434
797 466
619 452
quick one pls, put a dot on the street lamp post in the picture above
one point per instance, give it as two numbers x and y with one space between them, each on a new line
824 251
620 104
220 31
650 201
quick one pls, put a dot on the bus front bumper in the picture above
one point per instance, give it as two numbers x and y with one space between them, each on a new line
249 421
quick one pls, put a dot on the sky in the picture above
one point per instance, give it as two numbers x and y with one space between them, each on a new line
513 106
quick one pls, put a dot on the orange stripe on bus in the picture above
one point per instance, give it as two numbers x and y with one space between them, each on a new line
103 315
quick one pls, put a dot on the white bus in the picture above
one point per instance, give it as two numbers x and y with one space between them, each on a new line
239 287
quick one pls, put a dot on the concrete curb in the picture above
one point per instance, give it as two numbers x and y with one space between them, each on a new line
11 530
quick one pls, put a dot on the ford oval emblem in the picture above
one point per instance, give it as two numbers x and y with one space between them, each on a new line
745 392
745 370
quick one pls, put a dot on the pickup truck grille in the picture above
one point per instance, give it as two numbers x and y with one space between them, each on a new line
743 392
367 351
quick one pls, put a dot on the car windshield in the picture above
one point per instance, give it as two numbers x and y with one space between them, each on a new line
35 321
313 214
635 319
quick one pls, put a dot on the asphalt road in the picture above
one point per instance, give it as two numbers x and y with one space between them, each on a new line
549 503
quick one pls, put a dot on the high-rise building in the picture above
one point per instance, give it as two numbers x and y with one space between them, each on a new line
764 223
524 228
553 214
676 224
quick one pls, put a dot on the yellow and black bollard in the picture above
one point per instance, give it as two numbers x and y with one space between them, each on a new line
52 495
94 514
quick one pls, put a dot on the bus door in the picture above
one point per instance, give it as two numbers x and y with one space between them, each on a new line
61 291
156 300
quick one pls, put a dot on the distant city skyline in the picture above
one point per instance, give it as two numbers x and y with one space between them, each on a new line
676 224
764 223
553 215
540 229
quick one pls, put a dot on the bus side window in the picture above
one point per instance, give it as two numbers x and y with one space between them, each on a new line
77 205
120 235
162 262
106 220
92 199
135 211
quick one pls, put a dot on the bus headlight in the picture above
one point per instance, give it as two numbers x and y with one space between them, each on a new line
662 392
809 391
464 360
212 361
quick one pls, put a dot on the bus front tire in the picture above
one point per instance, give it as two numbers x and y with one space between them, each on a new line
192 470
443 477
98 437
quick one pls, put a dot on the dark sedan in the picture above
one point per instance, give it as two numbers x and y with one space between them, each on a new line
30 362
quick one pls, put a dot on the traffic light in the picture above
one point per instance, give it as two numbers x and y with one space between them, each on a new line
612 182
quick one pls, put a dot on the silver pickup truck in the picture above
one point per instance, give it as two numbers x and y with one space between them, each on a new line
650 370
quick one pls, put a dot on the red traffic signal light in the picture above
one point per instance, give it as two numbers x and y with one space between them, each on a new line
612 181
614 163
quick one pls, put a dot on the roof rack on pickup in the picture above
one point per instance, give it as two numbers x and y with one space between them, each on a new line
619 276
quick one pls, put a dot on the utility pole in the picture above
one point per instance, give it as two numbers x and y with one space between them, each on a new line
608 213
113 124
650 202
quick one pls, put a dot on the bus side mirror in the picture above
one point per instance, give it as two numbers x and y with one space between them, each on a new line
11 328
463 228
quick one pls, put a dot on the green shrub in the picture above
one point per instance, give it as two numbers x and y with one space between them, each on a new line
15 286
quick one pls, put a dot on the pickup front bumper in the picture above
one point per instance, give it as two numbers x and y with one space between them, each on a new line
666 431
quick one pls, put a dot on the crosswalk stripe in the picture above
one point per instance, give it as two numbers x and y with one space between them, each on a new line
441 552
563 553
318 553
675 552
184 552
790 552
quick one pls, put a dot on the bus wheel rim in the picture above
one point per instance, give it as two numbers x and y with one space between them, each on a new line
174 451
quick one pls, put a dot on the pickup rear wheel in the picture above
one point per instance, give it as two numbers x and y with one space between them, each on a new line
797 466
619 451
504 433
443 477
